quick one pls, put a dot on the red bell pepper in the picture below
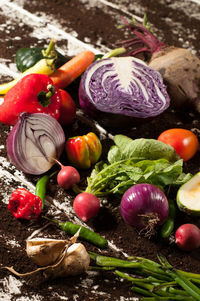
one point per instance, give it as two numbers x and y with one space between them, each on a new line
34 93
83 151
67 109
23 204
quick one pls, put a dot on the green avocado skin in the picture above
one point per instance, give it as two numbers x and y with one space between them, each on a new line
25 58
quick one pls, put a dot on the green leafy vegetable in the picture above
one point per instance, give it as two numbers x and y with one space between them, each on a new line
136 161
141 149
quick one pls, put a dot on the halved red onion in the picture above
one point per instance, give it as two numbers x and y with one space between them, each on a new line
35 142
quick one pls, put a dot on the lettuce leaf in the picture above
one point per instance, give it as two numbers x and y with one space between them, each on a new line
140 149
136 161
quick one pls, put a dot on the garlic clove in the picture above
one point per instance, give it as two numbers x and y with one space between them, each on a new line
45 251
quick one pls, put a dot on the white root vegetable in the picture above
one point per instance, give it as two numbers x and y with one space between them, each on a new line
45 251
58 258
75 261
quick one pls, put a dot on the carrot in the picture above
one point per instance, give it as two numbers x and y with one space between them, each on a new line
72 69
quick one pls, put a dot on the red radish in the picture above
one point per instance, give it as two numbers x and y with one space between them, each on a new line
179 67
67 176
188 237
86 205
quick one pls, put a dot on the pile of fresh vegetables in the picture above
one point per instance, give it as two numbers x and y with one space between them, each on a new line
139 173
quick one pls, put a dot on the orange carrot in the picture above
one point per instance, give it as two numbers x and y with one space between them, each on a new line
67 73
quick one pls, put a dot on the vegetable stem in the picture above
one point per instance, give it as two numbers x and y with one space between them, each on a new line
50 48
161 282
142 291
114 52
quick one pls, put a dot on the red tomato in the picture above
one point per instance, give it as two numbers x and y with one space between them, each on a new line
67 108
183 141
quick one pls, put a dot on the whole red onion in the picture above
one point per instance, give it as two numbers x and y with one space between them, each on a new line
144 206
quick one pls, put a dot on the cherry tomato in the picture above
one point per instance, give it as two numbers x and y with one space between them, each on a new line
183 141
67 109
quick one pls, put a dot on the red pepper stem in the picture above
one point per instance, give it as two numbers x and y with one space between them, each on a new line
48 52
44 98
51 90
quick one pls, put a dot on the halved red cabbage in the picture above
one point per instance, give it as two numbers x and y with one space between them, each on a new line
123 85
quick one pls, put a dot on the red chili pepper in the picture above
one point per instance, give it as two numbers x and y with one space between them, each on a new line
34 93
83 151
23 204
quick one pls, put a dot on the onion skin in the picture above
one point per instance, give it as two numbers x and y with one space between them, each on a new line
144 205
44 138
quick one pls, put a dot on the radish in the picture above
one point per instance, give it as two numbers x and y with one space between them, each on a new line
86 205
179 67
67 176
188 237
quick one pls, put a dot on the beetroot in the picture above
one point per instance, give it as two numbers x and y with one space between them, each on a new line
179 67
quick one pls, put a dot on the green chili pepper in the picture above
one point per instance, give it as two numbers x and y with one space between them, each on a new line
85 233
25 58
41 187
168 225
